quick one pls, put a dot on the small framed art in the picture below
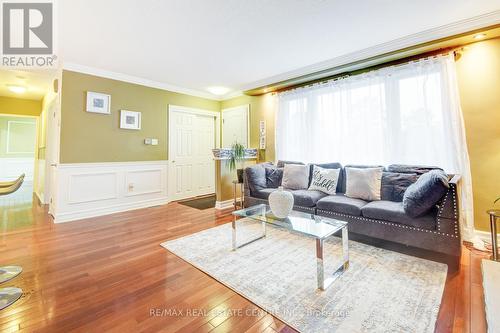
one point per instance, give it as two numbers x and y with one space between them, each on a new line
98 103
130 120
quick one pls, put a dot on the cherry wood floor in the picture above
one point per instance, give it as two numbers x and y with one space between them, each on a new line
111 274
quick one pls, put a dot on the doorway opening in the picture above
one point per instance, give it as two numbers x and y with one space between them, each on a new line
25 98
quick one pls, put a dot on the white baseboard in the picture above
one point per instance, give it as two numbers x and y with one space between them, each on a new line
485 236
226 204
83 214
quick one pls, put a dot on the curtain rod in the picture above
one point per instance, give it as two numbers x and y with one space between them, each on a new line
396 63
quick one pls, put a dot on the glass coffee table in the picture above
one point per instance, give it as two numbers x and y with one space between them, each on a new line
317 227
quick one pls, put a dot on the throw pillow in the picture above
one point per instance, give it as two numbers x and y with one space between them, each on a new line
324 180
394 185
273 177
363 183
425 193
256 177
295 177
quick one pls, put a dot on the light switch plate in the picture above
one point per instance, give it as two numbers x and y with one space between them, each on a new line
148 141
154 142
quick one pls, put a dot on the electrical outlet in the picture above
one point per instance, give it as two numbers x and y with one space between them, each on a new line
154 142
131 187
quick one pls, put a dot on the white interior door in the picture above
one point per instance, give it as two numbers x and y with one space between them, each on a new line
235 126
192 166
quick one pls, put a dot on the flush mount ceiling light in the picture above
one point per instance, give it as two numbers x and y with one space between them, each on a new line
17 89
479 36
218 90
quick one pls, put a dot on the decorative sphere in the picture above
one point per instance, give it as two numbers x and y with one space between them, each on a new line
281 202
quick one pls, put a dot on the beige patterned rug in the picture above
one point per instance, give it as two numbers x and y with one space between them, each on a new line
382 291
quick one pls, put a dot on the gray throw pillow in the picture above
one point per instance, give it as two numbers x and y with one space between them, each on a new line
295 177
363 183
394 185
256 177
273 176
425 193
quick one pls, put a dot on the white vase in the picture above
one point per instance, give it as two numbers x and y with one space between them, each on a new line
281 202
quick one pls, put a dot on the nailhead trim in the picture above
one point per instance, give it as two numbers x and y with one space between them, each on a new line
441 209
455 221
388 223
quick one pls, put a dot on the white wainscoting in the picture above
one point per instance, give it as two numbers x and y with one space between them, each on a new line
11 168
94 189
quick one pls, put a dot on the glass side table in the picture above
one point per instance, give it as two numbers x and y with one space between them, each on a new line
494 215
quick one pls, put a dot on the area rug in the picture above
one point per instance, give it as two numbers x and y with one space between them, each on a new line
382 291
200 203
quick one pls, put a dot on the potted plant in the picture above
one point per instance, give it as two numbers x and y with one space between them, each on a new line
237 156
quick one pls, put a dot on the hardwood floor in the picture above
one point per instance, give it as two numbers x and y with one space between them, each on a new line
111 274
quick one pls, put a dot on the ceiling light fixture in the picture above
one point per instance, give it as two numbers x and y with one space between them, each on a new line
218 90
479 36
17 89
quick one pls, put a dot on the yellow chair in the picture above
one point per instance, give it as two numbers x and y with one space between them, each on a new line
12 188
9 184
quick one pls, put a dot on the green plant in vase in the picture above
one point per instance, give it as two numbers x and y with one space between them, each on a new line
237 157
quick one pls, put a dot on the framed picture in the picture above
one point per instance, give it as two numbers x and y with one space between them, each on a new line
98 103
130 120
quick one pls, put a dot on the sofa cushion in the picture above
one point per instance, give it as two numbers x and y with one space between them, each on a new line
339 203
274 176
425 193
364 183
306 198
256 177
333 165
394 212
295 177
394 185
263 193
406 168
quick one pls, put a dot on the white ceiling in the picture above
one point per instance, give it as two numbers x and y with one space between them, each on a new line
37 83
190 45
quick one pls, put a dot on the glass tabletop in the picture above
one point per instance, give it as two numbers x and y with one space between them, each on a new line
304 223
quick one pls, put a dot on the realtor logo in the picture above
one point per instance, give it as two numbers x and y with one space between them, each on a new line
28 29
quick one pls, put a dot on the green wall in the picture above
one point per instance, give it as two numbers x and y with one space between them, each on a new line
19 106
21 137
90 137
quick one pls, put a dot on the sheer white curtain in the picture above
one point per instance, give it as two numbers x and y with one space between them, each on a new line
408 114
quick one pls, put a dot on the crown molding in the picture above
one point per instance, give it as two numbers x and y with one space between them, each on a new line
136 80
444 31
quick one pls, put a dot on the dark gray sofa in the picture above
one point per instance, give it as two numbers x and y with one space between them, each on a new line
437 231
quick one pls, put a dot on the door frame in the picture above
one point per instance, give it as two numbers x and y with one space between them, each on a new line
247 111
200 112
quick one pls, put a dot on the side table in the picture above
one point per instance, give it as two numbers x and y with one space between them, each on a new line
494 215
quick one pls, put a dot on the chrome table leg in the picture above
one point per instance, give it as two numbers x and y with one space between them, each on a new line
323 283
235 244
